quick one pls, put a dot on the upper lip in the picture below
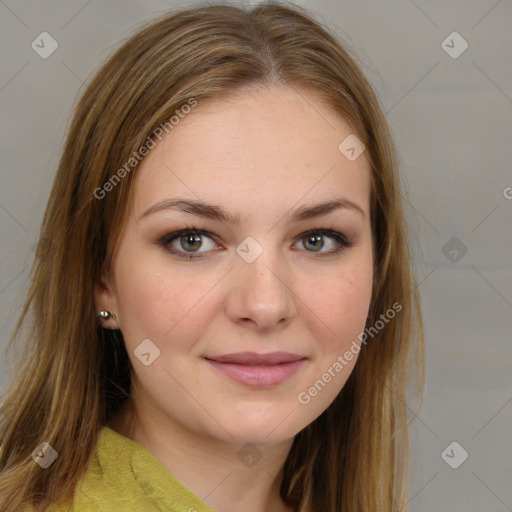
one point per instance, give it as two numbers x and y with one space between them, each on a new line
253 358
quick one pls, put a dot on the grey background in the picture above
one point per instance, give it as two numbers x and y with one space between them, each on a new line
452 122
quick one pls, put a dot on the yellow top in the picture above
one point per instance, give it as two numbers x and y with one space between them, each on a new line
126 477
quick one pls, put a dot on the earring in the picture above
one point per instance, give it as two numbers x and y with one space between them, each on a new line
105 315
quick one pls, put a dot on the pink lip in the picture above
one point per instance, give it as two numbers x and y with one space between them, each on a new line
258 370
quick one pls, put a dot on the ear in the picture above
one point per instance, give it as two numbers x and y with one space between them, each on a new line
105 300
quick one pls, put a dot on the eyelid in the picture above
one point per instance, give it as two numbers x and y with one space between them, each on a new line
170 237
341 240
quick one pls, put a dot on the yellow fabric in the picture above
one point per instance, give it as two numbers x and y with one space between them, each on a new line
125 477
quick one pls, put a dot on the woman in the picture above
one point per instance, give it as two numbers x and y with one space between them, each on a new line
186 348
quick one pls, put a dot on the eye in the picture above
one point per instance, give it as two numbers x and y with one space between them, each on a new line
188 238
192 238
315 239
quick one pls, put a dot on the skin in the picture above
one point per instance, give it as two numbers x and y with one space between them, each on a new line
261 154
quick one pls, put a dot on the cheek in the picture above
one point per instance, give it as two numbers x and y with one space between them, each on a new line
158 304
144 298
340 309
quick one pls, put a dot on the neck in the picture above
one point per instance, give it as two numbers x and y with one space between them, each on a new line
219 473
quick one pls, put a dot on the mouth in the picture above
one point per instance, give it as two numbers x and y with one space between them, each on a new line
258 370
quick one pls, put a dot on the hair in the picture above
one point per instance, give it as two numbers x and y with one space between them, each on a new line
73 375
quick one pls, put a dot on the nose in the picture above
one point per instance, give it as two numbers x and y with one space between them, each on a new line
261 292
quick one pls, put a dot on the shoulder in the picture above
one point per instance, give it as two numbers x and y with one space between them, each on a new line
122 476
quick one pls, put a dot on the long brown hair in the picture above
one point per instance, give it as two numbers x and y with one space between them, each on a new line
72 375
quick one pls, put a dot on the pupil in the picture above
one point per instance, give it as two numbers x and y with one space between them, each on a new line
191 239
316 240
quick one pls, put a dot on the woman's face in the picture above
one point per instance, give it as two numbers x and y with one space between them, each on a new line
196 311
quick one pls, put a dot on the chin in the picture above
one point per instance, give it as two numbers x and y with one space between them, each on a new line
262 429
259 437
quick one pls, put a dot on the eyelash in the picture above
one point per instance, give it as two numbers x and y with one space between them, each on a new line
165 241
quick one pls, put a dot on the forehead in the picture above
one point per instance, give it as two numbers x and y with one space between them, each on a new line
259 148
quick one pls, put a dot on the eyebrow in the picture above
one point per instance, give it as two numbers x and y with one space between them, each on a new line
215 212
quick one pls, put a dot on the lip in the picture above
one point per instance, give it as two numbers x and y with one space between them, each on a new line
258 370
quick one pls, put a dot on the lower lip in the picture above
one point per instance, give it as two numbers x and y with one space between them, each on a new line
258 376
